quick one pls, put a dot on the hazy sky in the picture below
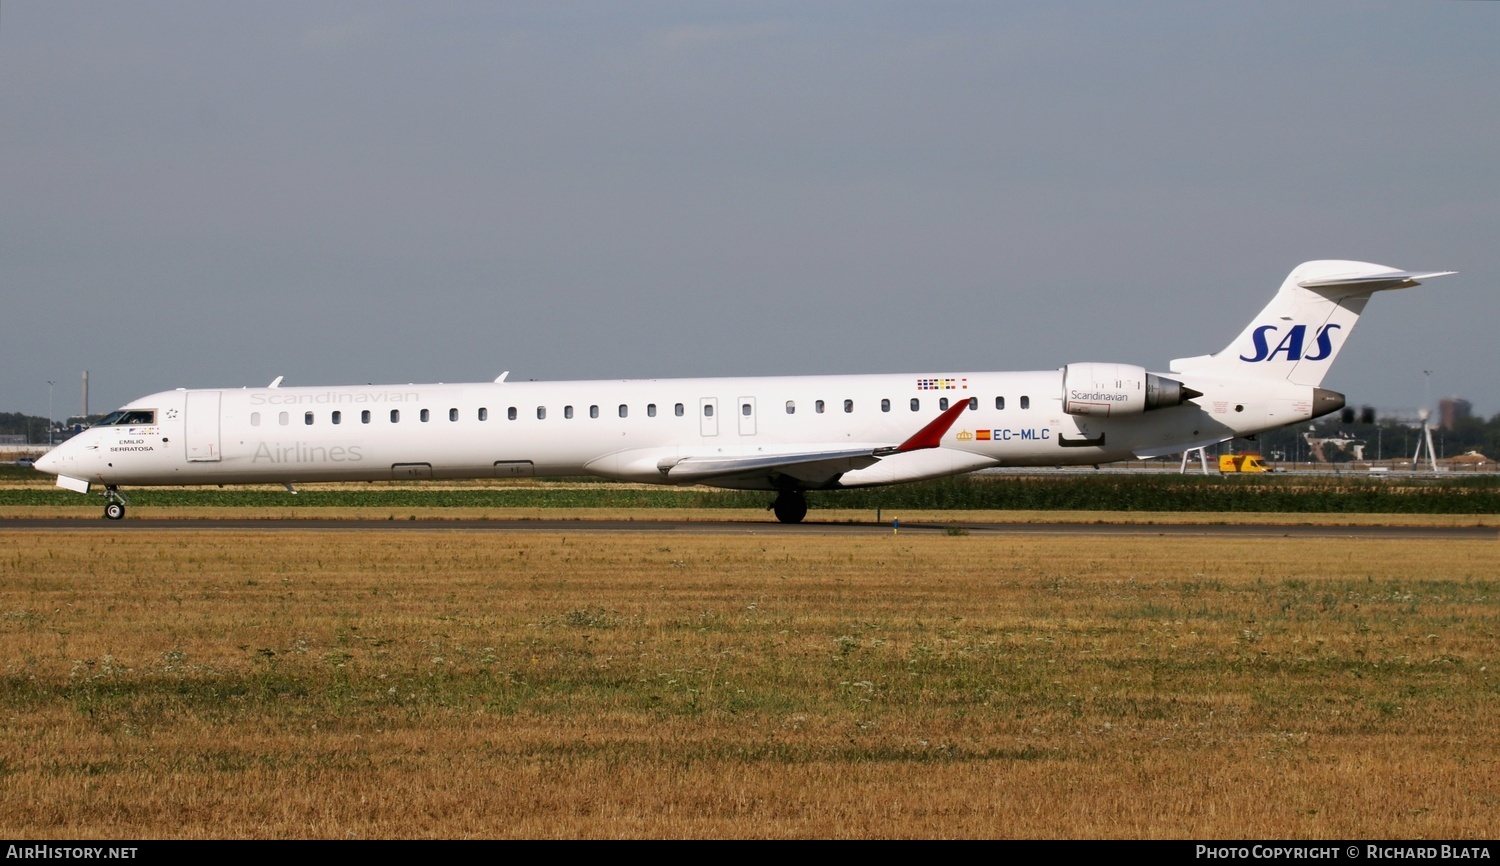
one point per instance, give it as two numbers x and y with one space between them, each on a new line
215 194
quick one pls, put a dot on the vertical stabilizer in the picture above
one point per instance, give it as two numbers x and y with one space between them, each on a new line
1298 335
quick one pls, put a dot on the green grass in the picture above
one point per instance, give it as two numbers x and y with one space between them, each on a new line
1183 493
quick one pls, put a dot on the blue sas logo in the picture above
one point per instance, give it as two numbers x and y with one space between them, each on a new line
1291 344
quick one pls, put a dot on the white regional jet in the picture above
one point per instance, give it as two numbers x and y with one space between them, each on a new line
782 434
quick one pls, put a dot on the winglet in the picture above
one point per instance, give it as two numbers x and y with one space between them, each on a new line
930 436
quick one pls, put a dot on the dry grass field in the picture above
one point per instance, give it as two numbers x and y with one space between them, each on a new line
448 684
90 514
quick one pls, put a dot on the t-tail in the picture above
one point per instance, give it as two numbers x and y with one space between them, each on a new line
1298 335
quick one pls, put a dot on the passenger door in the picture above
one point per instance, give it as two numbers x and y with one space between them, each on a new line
201 427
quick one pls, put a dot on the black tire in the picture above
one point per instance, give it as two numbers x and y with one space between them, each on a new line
790 507
114 511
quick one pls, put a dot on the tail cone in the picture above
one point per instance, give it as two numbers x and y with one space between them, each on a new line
1325 401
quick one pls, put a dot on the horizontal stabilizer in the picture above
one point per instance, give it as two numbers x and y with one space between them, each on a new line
1375 282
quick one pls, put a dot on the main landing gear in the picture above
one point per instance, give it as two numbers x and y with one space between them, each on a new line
790 506
114 506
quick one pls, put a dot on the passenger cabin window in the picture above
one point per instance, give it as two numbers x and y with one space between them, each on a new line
593 411
283 419
973 404
624 410
1025 402
254 419
943 404
567 411
916 405
708 410
791 407
484 414
511 413
337 417
364 417
425 416
541 413
999 402
650 410
395 416
848 405
677 410
885 405
452 414
307 418
745 409
818 407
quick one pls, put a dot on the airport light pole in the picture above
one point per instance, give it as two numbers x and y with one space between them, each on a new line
49 412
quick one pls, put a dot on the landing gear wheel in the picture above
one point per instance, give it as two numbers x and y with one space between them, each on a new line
790 506
114 503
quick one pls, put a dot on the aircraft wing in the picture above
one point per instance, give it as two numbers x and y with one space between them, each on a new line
812 467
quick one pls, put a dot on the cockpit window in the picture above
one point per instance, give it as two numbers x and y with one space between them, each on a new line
128 417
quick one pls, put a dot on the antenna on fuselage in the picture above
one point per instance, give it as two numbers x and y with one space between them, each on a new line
501 377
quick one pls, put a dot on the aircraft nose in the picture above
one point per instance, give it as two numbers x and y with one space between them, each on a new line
48 463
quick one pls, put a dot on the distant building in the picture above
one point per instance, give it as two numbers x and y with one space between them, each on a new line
1451 410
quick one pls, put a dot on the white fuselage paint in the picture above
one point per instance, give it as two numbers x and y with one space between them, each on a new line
286 435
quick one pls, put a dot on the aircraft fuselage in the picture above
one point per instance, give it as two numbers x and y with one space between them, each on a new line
787 434
627 429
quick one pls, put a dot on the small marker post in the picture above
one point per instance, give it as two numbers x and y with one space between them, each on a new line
895 525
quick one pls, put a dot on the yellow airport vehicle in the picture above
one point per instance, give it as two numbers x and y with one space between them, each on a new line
1242 463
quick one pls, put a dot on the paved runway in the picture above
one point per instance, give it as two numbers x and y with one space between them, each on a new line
705 527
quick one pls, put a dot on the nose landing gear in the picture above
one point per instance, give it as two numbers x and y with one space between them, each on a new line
790 506
114 507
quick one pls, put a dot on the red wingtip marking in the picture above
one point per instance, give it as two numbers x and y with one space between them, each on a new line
932 435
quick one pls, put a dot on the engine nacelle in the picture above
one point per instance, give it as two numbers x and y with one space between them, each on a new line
1107 390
